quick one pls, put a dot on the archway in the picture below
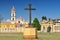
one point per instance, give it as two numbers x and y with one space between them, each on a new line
43 29
49 29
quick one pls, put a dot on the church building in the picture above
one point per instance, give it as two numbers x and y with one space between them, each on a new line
13 25
50 25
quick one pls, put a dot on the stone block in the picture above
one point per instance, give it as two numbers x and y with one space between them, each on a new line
30 33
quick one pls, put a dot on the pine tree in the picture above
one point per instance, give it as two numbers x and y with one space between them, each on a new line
36 24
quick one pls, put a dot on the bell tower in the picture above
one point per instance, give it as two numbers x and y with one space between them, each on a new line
13 14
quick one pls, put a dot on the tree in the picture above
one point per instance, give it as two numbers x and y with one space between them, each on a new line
36 24
44 18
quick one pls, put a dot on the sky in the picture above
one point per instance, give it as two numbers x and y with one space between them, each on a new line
48 8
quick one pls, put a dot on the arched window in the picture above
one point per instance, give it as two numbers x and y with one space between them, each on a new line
13 15
49 29
43 28
13 18
18 21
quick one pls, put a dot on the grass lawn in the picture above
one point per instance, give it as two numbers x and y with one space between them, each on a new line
49 36
16 36
41 36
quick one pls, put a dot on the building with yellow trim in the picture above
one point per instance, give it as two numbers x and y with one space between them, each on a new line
54 24
13 25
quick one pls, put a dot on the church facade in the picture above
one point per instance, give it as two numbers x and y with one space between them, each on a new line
13 25
50 25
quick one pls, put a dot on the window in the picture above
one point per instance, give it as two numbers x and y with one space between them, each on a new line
13 18
5 29
43 28
18 21
56 27
21 25
13 15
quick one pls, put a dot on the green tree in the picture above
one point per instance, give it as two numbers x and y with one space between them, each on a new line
36 24
44 18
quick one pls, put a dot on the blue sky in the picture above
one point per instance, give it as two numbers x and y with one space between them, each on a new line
48 8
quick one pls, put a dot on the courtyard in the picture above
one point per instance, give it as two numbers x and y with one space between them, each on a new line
19 36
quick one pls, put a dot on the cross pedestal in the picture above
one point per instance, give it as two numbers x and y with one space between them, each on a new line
30 33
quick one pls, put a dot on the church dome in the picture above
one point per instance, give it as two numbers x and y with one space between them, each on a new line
20 18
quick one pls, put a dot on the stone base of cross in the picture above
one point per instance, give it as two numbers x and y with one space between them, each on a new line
30 33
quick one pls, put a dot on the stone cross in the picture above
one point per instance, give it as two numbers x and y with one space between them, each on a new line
30 9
